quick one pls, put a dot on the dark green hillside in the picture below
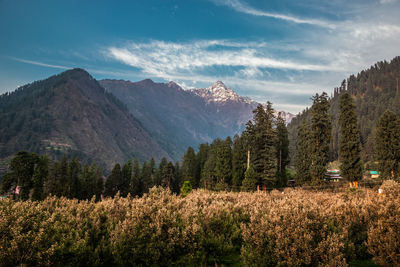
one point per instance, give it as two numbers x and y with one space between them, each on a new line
374 91
71 113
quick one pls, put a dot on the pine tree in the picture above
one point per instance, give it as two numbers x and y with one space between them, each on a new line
99 183
190 170
249 182
387 141
39 177
22 167
136 187
208 176
147 176
239 160
349 140
55 183
257 137
262 138
168 176
73 181
282 151
126 178
84 177
223 164
269 151
320 137
151 172
114 181
202 156
303 152
177 182
160 172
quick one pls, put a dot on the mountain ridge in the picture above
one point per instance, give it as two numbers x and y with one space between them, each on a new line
71 113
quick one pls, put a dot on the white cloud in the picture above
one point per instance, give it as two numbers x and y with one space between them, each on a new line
37 63
263 70
387 1
167 59
244 8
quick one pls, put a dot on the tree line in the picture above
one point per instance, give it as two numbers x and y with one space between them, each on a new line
314 136
373 91
258 157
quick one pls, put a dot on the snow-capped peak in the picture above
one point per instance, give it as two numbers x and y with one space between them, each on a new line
219 93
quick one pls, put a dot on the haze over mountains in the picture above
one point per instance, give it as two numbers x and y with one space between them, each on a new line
113 120
177 118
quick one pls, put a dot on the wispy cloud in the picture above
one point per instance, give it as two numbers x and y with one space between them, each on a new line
38 63
243 7
165 59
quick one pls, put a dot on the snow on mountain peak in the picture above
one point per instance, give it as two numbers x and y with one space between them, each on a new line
219 84
219 93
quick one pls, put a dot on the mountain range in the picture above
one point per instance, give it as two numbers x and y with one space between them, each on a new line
72 113
179 118
111 121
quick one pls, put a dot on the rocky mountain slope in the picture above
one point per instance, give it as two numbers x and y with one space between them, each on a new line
177 118
72 113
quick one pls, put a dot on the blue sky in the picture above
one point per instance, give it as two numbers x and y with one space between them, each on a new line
281 51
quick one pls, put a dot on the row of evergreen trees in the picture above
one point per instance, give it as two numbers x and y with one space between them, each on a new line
314 134
313 139
257 157
37 177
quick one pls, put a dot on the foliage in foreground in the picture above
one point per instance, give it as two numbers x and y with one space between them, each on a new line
294 228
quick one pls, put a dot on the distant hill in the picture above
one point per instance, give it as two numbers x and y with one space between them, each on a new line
374 90
72 113
111 121
179 118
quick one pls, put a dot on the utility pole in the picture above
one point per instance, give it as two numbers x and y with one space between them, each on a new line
248 158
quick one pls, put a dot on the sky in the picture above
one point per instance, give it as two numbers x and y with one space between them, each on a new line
280 51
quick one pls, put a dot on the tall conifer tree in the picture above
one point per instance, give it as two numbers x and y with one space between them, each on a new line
269 151
349 140
39 177
320 136
190 169
223 164
239 161
303 153
282 150
74 169
136 184
126 178
387 142
114 181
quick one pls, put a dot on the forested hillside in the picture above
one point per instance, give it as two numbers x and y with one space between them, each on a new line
374 91
72 114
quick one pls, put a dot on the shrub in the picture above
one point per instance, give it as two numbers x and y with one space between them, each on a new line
186 188
293 228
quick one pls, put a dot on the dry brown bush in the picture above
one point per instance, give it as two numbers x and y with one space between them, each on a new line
295 228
